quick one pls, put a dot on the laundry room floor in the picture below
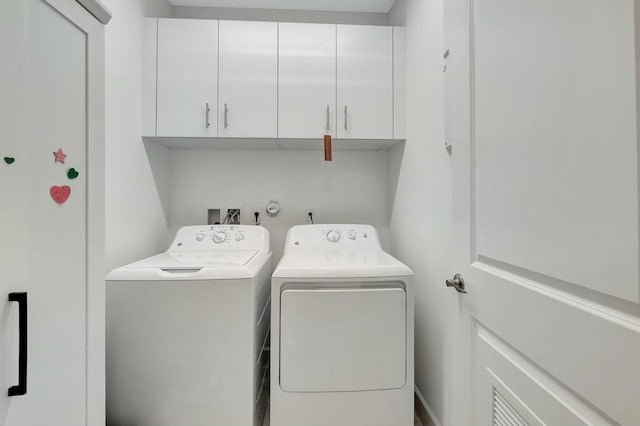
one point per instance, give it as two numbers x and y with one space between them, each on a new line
266 422
416 421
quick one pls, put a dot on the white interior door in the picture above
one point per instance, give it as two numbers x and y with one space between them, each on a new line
52 70
248 98
187 77
365 82
306 80
545 153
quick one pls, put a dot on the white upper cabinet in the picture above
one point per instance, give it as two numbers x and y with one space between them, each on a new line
399 84
365 82
307 80
187 77
248 80
149 73
240 79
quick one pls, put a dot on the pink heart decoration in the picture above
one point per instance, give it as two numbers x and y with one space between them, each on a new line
60 193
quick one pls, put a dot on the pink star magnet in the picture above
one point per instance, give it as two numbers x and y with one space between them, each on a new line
60 156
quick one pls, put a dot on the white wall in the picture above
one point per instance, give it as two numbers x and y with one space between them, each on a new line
421 196
353 188
280 15
136 173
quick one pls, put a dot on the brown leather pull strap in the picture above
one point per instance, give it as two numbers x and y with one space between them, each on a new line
327 148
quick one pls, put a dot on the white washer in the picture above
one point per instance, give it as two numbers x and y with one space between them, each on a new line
341 331
187 331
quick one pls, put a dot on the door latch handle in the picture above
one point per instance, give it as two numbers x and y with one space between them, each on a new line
457 282
21 387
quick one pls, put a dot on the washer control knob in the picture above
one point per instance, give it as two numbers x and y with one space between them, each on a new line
333 236
239 236
351 235
200 236
219 237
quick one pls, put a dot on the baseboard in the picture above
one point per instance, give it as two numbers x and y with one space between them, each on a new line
423 411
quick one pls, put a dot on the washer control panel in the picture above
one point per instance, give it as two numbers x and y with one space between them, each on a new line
227 237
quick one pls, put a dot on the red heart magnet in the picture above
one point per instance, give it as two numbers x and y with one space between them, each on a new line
60 193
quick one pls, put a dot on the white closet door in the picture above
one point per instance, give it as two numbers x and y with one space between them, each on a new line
248 101
187 77
307 80
544 125
365 82
55 51
13 204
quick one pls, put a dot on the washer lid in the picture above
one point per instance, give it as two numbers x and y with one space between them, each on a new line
196 259
193 265
340 264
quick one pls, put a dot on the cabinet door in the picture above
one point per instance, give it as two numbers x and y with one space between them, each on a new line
149 75
399 84
365 82
248 101
307 80
187 77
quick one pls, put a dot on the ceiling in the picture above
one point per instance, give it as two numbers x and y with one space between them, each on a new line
378 6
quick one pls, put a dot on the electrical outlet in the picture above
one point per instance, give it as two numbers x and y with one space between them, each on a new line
249 217
310 215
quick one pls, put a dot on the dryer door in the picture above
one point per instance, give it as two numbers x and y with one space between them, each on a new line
342 339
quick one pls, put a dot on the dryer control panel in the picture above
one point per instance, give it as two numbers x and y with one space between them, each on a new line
337 236
222 237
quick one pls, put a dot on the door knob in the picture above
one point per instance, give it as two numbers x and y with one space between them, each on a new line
457 282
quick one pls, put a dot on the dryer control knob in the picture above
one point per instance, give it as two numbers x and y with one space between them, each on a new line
239 236
333 236
200 236
219 237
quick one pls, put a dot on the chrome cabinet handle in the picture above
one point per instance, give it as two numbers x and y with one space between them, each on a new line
328 127
21 387
226 116
345 118
207 115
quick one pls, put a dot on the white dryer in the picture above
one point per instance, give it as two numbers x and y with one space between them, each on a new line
187 331
341 331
